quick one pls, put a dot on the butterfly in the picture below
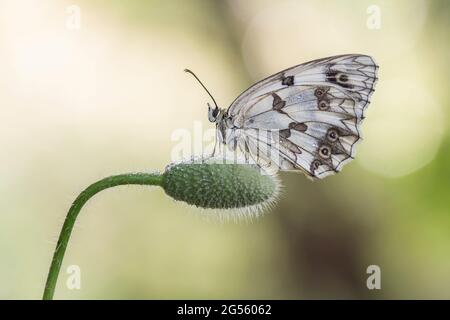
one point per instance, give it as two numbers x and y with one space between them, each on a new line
306 118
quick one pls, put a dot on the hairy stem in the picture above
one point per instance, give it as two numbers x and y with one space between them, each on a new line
89 192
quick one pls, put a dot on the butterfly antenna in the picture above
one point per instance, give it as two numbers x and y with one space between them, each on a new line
189 71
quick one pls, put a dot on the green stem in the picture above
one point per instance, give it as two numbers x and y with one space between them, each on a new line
89 192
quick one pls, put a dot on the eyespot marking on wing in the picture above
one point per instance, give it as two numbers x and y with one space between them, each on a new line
325 151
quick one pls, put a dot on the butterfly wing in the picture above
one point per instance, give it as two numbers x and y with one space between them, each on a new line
307 117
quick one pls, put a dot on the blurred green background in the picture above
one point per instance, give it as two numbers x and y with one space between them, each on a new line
78 104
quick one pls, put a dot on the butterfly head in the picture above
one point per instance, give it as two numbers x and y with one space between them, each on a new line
214 113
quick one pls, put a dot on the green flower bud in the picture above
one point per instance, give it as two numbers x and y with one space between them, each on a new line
214 185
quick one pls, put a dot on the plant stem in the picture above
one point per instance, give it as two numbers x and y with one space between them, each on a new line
89 192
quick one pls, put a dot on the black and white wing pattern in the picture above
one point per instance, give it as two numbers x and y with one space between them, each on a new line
315 109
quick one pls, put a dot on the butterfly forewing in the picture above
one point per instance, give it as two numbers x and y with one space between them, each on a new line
315 108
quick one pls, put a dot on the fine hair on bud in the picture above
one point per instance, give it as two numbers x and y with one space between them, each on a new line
236 188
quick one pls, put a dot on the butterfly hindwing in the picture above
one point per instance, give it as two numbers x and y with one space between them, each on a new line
315 109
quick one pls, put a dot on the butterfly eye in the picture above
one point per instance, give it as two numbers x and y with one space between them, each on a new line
212 113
